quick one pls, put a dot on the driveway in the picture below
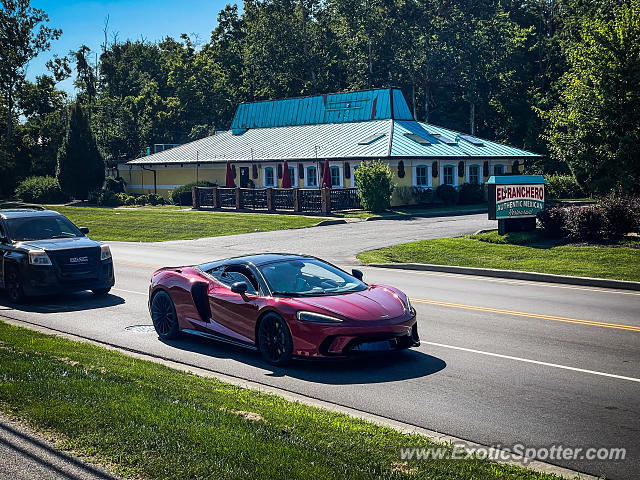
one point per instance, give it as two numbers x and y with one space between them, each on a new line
336 243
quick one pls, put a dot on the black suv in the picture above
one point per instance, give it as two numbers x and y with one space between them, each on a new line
42 252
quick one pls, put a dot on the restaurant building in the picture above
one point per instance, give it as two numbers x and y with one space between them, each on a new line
343 128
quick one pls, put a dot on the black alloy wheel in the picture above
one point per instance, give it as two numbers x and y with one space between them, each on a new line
274 340
14 286
163 314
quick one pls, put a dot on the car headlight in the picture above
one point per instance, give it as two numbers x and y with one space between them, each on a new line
105 252
316 317
39 257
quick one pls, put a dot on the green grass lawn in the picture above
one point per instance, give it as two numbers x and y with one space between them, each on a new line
517 252
145 420
156 225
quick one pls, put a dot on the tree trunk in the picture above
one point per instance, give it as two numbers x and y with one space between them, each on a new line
9 113
472 119
370 63
413 97
427 90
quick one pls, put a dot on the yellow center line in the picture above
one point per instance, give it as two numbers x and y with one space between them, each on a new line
530 315
134 264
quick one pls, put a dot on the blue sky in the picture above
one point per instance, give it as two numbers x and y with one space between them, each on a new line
82 22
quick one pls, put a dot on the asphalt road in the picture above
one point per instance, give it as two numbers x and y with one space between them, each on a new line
502 362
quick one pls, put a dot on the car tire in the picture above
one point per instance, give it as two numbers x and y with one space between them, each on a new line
274 340
14 286
163 315
101 291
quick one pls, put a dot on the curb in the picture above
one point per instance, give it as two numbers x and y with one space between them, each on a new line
338 221
428 215
405 428
514 275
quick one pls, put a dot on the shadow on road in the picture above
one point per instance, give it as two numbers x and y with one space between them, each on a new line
392 367
73 302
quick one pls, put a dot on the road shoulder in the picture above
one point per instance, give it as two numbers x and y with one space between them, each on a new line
27 455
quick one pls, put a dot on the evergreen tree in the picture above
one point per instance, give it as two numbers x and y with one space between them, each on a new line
80 164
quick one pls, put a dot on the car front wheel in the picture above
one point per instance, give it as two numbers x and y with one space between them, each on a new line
274 340
163 314
14 286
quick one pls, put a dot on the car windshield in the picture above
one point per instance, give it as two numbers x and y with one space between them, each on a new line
308 277
41 227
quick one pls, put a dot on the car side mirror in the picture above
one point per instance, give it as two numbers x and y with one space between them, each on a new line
357 273
239 287
84 230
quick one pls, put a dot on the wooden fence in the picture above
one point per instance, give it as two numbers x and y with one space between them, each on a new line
305 200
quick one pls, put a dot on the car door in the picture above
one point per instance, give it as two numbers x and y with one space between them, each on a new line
235 313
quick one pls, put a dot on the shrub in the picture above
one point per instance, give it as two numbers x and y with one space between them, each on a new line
116 185
94 196
423 195
375 185
552 221
142 200
155 199
470 193
620 215
584 223
41 190
563 186
129 201
182 195
122 197
448 194
109 199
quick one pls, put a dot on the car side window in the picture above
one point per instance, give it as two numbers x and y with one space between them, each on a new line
231 274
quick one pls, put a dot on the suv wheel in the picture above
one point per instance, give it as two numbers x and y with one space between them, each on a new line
14 286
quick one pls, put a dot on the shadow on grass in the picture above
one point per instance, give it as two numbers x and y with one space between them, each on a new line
73 302
391 367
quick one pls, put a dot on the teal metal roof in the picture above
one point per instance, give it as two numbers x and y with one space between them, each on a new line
440 146
356 140
358 125
348 107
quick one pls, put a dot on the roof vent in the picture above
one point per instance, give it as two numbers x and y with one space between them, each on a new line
444 139
417 138
371 138
471 140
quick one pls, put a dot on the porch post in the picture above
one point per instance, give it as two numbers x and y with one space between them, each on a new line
270 206
296 200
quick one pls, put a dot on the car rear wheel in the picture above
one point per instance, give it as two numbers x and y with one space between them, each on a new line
101 291
14 286
274 340
163 314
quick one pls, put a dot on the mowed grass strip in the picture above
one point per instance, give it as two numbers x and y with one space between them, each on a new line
156 225
142 419
508 253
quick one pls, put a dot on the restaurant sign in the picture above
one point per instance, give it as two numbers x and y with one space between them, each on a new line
518 196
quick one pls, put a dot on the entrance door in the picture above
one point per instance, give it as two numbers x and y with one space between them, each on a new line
244 177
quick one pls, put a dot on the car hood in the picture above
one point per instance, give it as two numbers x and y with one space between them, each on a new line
375 303
54 244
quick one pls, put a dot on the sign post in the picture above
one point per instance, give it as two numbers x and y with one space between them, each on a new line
515 200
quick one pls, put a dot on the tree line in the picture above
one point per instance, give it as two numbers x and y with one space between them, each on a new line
557 77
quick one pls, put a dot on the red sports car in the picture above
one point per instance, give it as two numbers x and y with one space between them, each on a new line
282 305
